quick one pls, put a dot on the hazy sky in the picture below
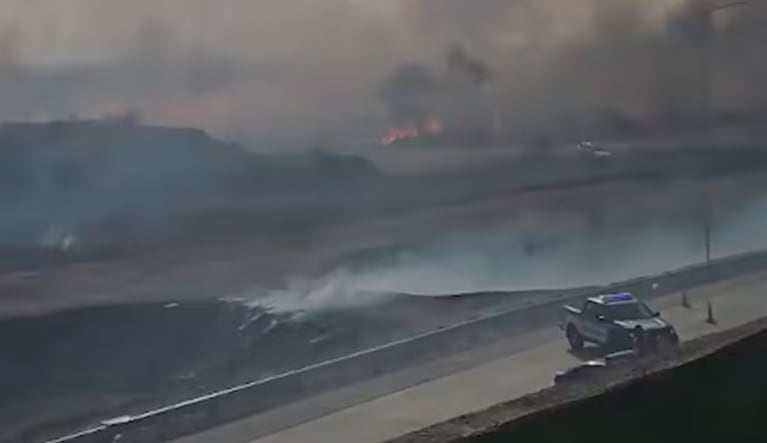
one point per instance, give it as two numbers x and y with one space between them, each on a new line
291 67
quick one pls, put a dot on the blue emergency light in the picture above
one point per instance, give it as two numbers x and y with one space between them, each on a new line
623 296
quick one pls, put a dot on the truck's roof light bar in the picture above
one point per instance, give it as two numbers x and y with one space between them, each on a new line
622 296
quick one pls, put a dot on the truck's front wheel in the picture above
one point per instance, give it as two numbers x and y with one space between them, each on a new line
574 338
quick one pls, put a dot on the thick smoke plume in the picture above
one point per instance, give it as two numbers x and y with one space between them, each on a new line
305 69
415 94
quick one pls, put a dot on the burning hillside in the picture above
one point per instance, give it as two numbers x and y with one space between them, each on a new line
457 92
431 127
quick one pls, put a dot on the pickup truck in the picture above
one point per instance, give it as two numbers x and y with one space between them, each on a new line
617 322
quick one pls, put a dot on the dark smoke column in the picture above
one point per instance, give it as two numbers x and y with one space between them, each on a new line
696 25
705 18
409 94
467 81
414 95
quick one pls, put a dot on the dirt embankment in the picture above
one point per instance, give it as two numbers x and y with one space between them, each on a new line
714 393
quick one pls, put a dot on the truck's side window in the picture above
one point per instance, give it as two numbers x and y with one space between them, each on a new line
600 311
590 310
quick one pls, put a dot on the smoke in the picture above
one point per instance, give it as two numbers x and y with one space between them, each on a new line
415 94
599 237
463 66
338 290
410 92
307 69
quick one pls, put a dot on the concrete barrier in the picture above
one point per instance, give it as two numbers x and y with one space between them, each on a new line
674 401
227 405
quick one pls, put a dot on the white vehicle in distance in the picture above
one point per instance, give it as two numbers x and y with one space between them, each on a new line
593 150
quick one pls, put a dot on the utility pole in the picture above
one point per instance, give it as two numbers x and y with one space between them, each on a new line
707 238
704 67
706 22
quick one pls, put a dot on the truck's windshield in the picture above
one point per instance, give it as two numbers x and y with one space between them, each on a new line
629 311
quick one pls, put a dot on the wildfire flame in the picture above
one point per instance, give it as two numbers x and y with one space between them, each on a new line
434 126
395 134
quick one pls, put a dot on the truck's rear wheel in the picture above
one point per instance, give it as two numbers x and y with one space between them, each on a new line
574 338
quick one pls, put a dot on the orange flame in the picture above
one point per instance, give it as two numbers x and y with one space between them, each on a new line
396 134
434 126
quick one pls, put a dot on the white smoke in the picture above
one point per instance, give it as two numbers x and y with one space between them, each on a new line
336 291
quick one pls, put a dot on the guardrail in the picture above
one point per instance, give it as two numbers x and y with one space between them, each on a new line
217 408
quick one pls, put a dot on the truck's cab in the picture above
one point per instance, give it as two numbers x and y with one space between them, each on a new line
615 322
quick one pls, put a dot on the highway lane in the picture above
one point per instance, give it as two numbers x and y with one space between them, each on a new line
395 404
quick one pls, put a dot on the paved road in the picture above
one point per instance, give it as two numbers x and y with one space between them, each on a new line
392 405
